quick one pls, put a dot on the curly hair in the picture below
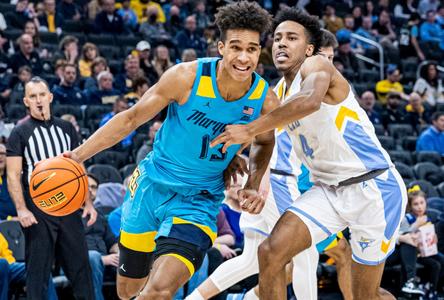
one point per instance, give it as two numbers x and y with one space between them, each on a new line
328 39
242 15
310 24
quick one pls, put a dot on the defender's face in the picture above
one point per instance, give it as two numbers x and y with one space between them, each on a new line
327 52
240 52
290 45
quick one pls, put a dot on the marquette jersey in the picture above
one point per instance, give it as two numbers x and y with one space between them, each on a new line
182 156
337 142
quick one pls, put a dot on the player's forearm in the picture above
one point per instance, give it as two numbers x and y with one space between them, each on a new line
15 191
260 155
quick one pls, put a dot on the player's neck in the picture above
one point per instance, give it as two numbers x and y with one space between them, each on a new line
290 74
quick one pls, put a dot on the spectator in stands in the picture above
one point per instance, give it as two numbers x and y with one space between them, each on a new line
13 273
332 22
370 10
408 39
140 86
5 75
390 84
51 20
31 29
225 237
105 93
432 139
69 49
212 51
189 55
71 119
176 5
24 74
102 244
69 10
108 20
430 31
161 61
98 65
405 9
233 210
119 106
346 55
384 29
93 8
266 56
23 12
366 31
89 53
128 15
174 23
429 86
440 16
416 113
7 207
393 113
147 147
189 38
3 24
425 6
144 50
202 18
67 91
367 102
357 17
124 81
58 72
26 56
152 29
140 8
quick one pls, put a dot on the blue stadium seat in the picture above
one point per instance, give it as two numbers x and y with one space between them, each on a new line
429 156
399 131
401 156
405 171
436 203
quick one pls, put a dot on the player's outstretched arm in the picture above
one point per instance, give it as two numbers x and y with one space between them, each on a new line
174 85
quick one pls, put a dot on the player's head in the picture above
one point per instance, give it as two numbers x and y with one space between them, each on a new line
38 98
241 25
328 45
417 204
297 35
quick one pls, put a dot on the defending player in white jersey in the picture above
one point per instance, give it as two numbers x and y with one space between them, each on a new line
356 184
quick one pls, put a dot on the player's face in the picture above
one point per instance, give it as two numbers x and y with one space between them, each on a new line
419 206
240 52
327 52
290 46
38 99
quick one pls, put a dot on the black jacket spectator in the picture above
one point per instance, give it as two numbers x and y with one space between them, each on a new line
34 62
71 95
58 20
99 236
112 24
68 10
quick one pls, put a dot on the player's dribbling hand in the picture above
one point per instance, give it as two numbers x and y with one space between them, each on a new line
238 165
234 135
72 155
26 217
251 201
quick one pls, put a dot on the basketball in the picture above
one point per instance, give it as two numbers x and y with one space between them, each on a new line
58 186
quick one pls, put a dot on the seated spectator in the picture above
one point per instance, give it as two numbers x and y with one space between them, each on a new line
440 16
190 38
161 61
430 31
71 119
366 31
140 8
24 11
143 49
124 81
89 53
408 39
190 55
69 49
225 237
393 113
108 20
425 6
384 29
98 65
174 23
109 195
332 22
26 56
369 10
24 74
429 86
432 139
202 18
417 114
31 29
69 10
147 147
7 207
266 56
67 92
233 211
93 8
140 86
119 106
390 84
152 29
102 244
404 10
105 93
367 102
346 55
128 15
50 20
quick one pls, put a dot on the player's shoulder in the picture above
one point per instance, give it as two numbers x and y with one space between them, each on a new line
317 63
179 77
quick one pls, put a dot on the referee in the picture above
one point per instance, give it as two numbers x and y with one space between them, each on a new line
46 237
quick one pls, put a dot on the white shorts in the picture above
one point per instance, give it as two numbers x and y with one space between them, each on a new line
372 210
283 191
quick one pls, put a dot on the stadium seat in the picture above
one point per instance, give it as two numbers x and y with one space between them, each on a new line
15 112
436 203
75 110
12 34
387 142
115 65
421 128
127 170
379 129
401 156
7 8
128 41
440 189
405 171
109 52
138 141
399 131
105 173
439 106
425 170
73 26
433 214
93 115
101 39
113 158
49 37
409 143
429 156
12 231
426 187
368 75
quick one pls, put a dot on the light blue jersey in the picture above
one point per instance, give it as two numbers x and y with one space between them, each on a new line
182 156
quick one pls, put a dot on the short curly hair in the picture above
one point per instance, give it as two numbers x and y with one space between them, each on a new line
242 15
310 23
328 39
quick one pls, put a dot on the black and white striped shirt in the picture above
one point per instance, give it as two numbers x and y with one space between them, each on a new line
35 140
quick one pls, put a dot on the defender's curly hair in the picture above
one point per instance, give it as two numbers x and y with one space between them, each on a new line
310 23
242 15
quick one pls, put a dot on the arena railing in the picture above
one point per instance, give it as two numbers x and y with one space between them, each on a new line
380 63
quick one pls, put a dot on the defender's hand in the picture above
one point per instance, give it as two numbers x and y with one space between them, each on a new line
238 165
251 201
234 135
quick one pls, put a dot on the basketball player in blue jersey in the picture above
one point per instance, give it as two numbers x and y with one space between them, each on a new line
169 213
355 183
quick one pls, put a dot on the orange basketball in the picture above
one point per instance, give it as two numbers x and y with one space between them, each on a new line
58 186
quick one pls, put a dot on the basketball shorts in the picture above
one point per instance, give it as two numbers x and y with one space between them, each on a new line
372 209
151 211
